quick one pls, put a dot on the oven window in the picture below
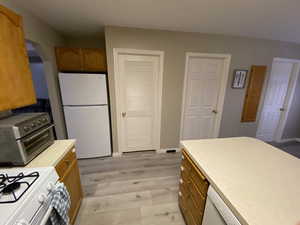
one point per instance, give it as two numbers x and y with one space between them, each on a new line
36 141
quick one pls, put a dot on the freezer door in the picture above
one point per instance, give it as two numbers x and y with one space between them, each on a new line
83 89
90 127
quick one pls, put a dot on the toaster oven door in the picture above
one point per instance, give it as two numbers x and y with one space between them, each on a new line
33 144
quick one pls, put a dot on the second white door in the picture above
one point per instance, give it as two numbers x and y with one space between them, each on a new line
275 101
203 90
139 97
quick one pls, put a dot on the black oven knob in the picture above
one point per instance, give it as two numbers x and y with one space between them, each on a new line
33 125
44 120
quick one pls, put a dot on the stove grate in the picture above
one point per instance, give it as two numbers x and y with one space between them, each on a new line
26 181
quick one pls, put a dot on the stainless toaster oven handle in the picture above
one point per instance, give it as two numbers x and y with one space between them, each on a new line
35 135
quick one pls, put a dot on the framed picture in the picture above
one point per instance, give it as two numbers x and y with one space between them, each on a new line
239 79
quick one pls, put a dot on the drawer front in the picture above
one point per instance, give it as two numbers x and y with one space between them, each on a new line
195 212
183 187
199 180
199 198
190 219
185 162
184 173
65 163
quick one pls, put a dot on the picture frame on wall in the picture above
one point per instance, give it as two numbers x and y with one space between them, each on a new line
239 79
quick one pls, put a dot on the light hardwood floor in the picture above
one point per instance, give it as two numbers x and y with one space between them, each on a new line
135 189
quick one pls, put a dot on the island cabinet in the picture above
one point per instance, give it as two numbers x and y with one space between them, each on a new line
68 172
193 188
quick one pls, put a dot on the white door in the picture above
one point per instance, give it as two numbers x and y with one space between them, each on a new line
89 125
274 103
83 89
202 97
139 100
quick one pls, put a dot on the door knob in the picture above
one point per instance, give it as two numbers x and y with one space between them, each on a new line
281 109
123 114
215 111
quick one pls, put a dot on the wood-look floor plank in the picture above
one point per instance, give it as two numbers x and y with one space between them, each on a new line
135 189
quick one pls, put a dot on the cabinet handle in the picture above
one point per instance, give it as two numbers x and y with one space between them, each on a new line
179 193
182 168
181 181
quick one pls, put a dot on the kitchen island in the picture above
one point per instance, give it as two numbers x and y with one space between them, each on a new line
258 182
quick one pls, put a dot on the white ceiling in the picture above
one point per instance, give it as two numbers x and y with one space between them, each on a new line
270 19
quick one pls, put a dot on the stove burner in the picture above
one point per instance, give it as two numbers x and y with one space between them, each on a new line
10 184
2 181
11 188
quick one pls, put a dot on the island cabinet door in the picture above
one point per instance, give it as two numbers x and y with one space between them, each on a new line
193 188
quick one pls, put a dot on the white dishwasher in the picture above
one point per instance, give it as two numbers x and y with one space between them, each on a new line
216 211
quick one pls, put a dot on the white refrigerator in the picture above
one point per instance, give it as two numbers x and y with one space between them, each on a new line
85 104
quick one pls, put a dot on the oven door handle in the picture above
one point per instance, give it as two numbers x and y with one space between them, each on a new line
46 216
39 133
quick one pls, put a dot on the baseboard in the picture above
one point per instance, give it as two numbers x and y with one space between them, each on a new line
164 150
288 140
117 154
297 139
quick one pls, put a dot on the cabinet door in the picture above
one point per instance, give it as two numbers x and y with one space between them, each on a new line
253 94
94 60
72 181
16 86
69 59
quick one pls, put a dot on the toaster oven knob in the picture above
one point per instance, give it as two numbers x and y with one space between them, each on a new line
26 129
22 222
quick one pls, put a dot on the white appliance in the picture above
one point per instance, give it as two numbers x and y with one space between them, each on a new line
216 211
85 103
28 204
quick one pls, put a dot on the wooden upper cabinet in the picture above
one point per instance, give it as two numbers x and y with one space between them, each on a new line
16 86
81 59
94 60
253 94
69 59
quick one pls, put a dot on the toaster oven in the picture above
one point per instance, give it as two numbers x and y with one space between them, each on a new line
23 137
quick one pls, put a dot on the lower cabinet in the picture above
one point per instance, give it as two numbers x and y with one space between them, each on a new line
193 188
68 172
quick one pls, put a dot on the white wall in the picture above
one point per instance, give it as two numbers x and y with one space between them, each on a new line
38 77
245 52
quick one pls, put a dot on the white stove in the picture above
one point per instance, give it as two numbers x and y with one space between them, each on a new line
24 195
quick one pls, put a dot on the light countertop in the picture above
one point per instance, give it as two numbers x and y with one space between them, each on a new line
260 183
53 154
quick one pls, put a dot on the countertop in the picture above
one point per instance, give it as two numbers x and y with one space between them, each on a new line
53 154
258 182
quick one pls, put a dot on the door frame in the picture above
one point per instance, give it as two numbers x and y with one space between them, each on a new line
223 87
157 121
288 99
